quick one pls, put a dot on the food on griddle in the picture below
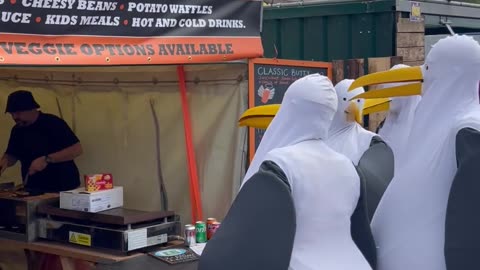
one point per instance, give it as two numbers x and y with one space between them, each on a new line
22 193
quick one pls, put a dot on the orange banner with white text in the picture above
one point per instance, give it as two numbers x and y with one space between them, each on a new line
33 50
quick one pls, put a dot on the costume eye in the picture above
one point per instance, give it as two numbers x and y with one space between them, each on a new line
426 67
344 99
358 100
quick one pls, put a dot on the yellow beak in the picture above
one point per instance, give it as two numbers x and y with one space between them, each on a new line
259 117
376 105
376 100
403 75
354 113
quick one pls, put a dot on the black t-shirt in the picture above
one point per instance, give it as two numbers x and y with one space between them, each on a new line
48 135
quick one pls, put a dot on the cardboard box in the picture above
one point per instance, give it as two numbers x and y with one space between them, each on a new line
81 200
97 182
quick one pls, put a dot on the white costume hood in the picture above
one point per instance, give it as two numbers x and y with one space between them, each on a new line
348 137
398 123
312 95
409 224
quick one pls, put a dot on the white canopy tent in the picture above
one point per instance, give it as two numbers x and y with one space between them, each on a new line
113 110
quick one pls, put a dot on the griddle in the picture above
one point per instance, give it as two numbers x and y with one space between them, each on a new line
13 196
7 186
18 214
117 216
10 190
118 230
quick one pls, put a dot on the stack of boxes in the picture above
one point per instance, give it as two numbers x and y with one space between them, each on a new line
99 194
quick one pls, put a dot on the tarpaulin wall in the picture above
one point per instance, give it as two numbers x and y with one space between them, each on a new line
110 111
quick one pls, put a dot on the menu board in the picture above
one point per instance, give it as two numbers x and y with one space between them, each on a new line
269 79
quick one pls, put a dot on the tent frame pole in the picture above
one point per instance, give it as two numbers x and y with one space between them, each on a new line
195 197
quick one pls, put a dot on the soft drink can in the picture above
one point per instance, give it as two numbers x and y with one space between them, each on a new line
212 229
210 221
201 229
190 237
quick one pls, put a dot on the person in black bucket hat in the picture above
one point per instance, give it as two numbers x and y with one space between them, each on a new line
43 143
21 101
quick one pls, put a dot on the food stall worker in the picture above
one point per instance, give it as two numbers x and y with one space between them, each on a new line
44 144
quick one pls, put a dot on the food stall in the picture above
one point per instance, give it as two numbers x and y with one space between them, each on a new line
153 90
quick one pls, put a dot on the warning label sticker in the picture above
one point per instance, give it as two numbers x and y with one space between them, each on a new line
80 239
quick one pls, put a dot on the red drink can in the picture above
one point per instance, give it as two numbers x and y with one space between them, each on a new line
213 228
210 221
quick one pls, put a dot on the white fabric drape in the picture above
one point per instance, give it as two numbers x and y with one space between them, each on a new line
116 127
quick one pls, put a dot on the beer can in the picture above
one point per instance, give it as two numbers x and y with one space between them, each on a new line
190 237
201 229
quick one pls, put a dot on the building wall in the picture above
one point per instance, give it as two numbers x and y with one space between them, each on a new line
326 32
410 41
339 30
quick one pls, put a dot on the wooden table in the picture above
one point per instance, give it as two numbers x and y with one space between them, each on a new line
69 255
48 255
146 262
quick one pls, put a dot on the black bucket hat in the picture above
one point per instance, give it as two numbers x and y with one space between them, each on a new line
21 100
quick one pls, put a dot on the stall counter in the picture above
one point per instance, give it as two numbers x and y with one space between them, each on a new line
95 259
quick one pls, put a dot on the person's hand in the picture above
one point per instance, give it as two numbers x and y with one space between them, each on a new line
3 165
18 187
37 165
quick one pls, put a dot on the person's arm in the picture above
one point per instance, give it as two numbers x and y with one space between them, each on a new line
10 160
462 222
6 161
66 139
11 154
66 154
